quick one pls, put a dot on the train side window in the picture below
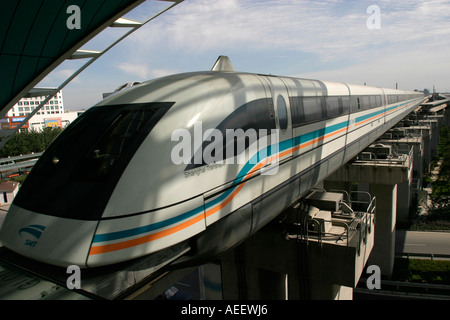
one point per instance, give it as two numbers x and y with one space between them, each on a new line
251 117
356 104
298 116
345 104
282 113
373 101
332 104
313 108
390 99
378 101
365 103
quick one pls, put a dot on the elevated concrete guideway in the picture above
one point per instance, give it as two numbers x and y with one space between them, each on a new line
392 170
327 265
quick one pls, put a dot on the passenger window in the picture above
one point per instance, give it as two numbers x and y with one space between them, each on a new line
378 101
282 113
254 116
332 106
365 103
355 104
345 105
373 102
312 108
297 115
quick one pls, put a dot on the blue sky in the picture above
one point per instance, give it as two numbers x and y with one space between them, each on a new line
326 40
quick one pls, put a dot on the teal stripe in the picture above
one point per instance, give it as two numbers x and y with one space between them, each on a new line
373 114
261 155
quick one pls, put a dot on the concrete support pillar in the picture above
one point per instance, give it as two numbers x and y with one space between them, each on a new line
426 154
244 281
267 266
447 116
404 201
327 291
241 280
384 249
434 138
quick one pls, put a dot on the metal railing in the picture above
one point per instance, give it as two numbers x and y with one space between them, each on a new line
351 221
361 224
431 256
406 289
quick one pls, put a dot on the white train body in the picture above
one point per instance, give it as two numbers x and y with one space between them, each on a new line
108 190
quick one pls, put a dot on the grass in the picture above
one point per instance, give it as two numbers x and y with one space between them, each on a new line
421 271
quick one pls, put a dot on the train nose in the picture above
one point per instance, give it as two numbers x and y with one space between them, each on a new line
48 239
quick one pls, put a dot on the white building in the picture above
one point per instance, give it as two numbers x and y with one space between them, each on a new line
52 114
26 105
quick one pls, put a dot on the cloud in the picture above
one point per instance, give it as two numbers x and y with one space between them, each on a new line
414 71
322 39
332 30
142 71
162 72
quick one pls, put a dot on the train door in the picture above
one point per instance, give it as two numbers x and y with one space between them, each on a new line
283 118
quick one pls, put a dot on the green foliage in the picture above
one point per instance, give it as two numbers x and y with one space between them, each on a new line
418 270
28 142
441 187
438 225
438 217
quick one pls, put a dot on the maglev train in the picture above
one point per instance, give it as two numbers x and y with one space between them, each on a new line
207 157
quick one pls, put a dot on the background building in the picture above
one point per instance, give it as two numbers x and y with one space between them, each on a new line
8 190
52 114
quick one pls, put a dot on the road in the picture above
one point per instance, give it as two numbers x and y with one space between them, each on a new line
422 242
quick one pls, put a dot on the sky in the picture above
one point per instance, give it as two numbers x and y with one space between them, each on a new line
380 43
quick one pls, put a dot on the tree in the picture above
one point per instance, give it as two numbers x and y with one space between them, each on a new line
29 141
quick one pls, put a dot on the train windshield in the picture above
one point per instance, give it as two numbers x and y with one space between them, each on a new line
77 174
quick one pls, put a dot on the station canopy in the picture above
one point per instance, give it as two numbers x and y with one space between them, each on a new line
35 38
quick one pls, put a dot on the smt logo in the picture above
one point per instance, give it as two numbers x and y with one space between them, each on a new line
34 230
